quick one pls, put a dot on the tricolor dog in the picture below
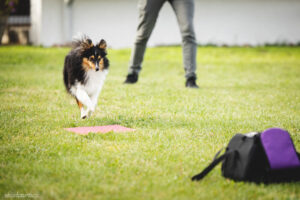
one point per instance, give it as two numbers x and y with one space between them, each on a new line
85 70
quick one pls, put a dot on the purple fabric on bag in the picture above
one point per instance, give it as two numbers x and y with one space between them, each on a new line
279 148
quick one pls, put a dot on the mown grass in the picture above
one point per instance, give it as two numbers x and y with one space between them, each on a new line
178 130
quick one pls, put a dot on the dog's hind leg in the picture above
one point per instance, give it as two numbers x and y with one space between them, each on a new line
82 110
84 98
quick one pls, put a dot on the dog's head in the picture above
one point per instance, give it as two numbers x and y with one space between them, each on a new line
100 55
93 57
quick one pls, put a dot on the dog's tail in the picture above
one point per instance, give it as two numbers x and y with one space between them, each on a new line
82 43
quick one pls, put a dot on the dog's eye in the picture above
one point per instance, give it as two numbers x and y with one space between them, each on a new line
91 57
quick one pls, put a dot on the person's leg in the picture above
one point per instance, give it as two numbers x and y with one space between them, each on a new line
148 12
184 10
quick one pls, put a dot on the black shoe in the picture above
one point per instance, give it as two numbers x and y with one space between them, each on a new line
191 83
131 78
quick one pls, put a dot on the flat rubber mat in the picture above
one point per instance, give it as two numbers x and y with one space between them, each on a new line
99 129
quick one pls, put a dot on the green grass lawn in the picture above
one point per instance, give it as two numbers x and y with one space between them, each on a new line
178 130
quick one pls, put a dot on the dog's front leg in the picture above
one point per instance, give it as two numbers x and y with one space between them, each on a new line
94 99
95 96
84 98
83 112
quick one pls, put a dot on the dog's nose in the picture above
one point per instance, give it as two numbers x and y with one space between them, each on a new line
97 69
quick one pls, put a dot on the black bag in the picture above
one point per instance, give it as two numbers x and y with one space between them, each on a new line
254 157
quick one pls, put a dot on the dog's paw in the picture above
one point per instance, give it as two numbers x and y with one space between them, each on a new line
89 112
84 114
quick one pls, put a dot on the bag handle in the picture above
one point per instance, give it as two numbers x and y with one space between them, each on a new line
215 162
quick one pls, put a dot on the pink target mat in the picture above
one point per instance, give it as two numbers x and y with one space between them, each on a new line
99 129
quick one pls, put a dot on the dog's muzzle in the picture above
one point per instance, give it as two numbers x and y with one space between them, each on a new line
97 67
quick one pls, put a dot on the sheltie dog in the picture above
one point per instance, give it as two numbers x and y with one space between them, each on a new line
85 70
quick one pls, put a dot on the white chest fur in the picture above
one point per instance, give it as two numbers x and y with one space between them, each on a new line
93 84
94 81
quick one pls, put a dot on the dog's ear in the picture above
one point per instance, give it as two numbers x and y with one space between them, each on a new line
87 44
82 44
102 44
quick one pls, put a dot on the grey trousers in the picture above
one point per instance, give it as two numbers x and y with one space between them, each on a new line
148 13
